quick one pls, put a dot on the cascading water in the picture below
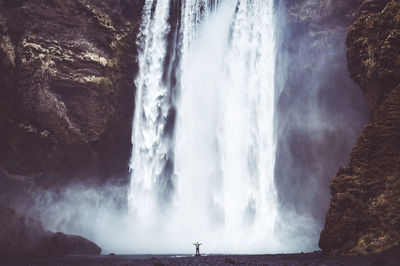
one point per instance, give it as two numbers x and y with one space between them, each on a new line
222 189
150 148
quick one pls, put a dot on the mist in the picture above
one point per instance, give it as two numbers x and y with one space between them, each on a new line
320 111
243 115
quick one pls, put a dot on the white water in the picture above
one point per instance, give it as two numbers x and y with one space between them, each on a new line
151 109
223 185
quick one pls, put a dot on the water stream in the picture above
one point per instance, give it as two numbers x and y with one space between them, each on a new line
211 177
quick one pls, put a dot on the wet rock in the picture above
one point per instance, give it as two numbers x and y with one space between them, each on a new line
23 235
364 214
62 244
66 89
66 93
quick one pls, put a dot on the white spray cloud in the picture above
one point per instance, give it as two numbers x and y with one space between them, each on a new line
224 192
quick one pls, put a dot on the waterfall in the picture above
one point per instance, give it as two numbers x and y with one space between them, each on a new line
220 190
150 148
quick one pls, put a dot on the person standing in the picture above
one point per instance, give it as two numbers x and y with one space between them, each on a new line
197 244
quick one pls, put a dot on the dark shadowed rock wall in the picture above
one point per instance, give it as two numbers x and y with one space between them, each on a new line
66 91
364 214
21 235
320 111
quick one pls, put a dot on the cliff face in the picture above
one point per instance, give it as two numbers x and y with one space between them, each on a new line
66 90
364 214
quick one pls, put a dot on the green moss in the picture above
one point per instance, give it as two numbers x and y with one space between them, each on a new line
120 62
7 47
108 85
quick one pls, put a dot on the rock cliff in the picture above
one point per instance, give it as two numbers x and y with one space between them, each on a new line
364 214
66 90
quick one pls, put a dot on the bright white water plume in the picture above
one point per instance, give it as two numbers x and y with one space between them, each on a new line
150 149
213 180
224 151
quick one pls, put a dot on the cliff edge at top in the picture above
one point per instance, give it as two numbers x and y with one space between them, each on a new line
364 214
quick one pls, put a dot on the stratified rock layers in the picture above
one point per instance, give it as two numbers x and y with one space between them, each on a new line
66 90
364 214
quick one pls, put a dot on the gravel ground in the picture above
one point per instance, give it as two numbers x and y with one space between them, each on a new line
316 258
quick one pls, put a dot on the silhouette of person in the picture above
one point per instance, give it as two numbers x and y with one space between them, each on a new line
197 244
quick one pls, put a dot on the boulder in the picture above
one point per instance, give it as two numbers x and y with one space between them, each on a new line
21 235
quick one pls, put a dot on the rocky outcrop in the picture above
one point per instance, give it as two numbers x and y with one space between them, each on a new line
364 214
66 90
22 235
